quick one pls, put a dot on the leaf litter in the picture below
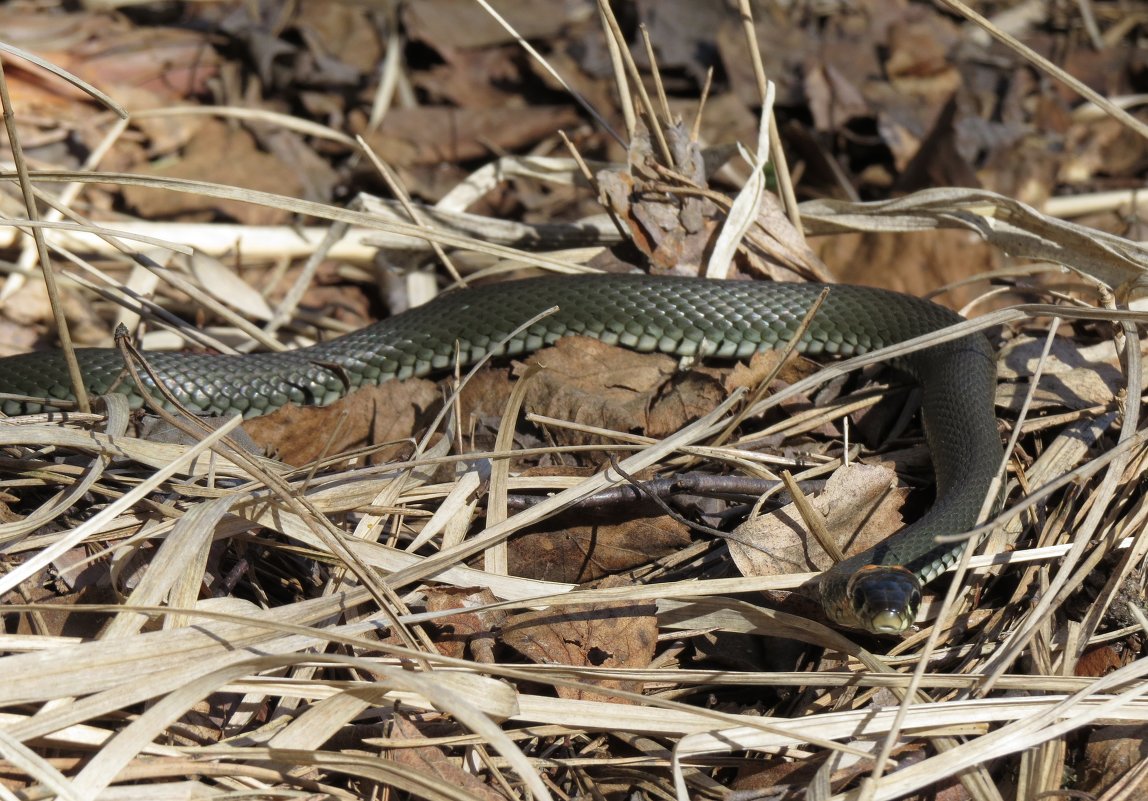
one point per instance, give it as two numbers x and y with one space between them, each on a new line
341 617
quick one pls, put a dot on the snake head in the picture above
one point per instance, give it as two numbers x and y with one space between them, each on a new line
883 598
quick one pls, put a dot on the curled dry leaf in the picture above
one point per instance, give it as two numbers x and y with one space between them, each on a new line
1071 377
778 250
677 230
655 223
1102 660
861 505
749 375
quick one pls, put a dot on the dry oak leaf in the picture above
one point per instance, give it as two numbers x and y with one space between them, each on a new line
674 231
171 64
861 505
619 634
473 78
1071 377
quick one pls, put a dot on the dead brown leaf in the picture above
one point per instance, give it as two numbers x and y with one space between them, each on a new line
30 310
833 98
918 64
674 221
675 231
169 63
1112 755
688 397
684 31
341 30
93 587
915 264
774 775
786 49
585 381
472 78
462 23
473 630
1071 377
762 365
775 248
585 545
219 153
861 505
581 380
609 635
431 135
388 413
433 761
937 159
1101 660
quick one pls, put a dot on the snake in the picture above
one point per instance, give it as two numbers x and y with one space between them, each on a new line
877 590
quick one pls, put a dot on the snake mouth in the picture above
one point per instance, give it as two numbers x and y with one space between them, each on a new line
884 599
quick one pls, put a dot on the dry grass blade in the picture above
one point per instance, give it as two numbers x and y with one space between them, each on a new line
302 207
12 579
36 767
744 210
31 211
63 74
1008 224
126 744
97 231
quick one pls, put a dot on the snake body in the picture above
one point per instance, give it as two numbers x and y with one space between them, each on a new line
878 590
